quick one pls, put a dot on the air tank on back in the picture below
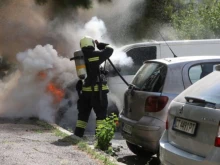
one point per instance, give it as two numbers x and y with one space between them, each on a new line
80 64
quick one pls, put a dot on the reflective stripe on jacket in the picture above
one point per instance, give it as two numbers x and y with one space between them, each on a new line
96 88
93 59
81 124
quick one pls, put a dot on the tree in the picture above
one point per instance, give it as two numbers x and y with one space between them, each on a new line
198 21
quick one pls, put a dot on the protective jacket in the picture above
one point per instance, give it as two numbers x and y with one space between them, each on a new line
93 60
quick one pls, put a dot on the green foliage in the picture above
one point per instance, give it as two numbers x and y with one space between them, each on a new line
82 146
105 132
43 124
198 21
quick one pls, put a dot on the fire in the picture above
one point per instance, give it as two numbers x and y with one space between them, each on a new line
42 75
56 92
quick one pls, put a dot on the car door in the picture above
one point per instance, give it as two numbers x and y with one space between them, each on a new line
194 71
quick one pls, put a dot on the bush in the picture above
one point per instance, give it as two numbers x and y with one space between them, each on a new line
105 132
197 21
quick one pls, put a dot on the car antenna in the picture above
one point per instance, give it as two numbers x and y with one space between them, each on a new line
167 44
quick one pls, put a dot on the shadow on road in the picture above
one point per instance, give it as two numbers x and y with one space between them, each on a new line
66 141
135 160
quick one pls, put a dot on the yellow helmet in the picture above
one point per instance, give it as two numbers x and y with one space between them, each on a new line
87 41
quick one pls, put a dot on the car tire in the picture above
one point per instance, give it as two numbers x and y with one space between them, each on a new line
138 150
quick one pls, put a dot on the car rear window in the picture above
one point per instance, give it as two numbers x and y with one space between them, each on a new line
150 77
207 88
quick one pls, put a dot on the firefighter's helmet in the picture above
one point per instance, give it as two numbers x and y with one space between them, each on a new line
86 42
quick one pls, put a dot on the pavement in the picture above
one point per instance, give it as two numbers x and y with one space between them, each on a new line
25 142
31 142
123 155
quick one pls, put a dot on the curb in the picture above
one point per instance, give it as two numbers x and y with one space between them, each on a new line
77 138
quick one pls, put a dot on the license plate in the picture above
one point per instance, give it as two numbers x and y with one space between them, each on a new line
185 126
127 128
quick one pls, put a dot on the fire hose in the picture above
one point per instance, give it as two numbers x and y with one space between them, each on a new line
118 73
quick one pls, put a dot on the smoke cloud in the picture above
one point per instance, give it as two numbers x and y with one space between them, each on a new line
25 25
36 43
118 16
26 95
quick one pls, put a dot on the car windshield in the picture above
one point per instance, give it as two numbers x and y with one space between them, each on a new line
150 77
207 89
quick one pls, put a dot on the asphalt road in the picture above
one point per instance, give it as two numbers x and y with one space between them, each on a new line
24 143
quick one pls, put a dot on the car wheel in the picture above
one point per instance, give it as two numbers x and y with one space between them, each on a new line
138 150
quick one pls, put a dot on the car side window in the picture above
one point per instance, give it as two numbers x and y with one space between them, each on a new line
199 71
139 55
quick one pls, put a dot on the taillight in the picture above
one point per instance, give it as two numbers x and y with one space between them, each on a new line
217 139
155 103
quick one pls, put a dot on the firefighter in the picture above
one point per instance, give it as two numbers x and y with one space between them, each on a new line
94 87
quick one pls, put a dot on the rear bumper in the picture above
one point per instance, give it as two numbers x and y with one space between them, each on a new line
170 155
144 132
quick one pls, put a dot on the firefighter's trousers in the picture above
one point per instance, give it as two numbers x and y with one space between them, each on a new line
87 102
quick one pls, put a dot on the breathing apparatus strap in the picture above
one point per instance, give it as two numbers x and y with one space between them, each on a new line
92 85
79 85
100 87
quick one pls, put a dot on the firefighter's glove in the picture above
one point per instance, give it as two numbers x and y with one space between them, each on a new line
100 45
79 85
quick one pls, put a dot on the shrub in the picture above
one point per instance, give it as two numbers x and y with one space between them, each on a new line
105 132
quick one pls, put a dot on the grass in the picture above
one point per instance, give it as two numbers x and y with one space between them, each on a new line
97 155
82 145
45 125
59 133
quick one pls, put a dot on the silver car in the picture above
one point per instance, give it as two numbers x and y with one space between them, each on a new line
192 135
154 86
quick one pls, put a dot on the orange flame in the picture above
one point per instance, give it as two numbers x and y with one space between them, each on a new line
42 75
57 93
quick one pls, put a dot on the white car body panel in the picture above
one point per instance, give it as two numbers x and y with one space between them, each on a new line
180 148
